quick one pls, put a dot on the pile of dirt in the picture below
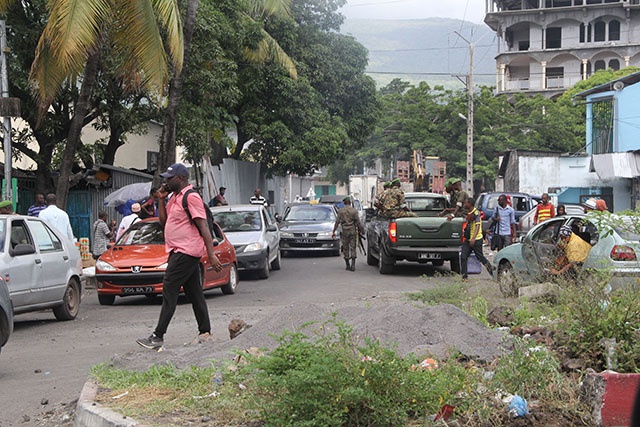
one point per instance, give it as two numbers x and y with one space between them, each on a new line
407 327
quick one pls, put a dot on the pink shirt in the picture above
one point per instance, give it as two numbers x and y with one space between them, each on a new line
180 234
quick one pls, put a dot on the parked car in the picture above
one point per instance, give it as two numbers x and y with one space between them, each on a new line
614 251
486 203
6 313
135 265
308 228
526 221
42 267
254 235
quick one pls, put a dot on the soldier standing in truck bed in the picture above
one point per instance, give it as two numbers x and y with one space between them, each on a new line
395 206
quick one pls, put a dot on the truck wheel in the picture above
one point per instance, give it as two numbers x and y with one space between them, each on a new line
455 265
371 260
385 263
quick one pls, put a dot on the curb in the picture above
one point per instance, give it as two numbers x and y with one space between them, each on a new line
92 414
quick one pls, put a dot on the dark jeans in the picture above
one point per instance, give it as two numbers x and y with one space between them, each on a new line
499 241
466 251
182 270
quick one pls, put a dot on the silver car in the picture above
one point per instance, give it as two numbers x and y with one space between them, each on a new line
6 314
308 228
254 234
42 268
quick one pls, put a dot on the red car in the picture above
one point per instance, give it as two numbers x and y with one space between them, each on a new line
135 265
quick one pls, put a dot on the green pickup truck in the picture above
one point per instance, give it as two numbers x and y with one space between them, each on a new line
426 238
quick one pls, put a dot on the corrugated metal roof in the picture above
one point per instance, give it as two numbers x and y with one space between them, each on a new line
607 87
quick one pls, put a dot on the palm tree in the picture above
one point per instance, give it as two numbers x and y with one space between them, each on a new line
70 45
267 50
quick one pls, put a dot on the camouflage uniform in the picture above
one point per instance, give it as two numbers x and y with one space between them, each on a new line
394 206
348 219
459 197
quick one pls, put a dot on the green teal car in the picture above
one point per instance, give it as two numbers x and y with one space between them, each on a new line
425 238
614 249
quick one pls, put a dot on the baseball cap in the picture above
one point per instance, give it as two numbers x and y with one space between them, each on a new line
223 188
176 169
5 204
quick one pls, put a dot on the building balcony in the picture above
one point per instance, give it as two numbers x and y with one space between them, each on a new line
536 84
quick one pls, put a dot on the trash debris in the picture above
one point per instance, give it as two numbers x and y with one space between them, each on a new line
217 379
242 386
121 395
236 327
518 407
212 394
444 413
368 359
427 364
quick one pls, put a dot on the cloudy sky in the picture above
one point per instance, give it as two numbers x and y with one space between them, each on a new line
469 10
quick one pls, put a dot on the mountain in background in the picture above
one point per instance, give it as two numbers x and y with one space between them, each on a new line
425 50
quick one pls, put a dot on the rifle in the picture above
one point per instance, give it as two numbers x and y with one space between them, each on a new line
361 237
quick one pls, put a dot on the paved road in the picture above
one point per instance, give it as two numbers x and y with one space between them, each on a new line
46 362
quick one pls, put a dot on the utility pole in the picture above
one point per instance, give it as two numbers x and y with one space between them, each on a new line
6 121
470 92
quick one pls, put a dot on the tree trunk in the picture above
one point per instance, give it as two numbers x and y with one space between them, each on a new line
243 137
115 142
170 122
73 139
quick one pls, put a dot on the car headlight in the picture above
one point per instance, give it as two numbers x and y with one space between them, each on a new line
162 266
325 234
252 247
104 266
286 234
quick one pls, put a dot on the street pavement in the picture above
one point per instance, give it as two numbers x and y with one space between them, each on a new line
45 363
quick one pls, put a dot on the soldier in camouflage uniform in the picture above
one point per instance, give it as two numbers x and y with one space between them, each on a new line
395 206
457 200
351 227
378 203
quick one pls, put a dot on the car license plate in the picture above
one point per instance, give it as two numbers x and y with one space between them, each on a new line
427 255
138 290
305 240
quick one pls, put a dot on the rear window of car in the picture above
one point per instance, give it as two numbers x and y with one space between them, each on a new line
519 203
426 204
629 230
238 221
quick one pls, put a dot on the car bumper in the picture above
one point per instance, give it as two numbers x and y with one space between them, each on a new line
316 245
251 261
424 254
129 283
625 279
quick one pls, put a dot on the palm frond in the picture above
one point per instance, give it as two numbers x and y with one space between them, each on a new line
168 14
137 35
269 50
73 29
259 9
47 75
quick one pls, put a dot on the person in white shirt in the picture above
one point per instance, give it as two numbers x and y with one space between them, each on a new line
128 220
56 217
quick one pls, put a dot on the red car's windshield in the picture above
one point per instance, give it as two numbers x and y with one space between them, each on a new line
143 233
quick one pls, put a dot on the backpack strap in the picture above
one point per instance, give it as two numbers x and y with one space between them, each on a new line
185 204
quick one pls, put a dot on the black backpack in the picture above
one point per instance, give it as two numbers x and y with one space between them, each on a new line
210 220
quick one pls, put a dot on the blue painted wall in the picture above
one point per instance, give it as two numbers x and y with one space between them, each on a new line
626 128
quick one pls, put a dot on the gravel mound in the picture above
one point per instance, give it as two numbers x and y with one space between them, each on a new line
407 327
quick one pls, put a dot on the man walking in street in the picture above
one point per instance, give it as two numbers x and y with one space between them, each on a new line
544 210
187 239
101 235
56 217
38 206
128 220
472 240
351 229
505 217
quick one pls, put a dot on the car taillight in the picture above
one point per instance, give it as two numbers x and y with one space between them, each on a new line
393 230
622 253
482 215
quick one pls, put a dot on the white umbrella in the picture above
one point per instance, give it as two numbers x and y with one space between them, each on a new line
137 192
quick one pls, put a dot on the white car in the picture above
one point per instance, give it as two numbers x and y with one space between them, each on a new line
254 234
42 268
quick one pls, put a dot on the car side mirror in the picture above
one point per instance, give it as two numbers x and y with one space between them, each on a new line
272 227
22 249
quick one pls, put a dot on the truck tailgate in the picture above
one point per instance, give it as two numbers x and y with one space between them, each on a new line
428 232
